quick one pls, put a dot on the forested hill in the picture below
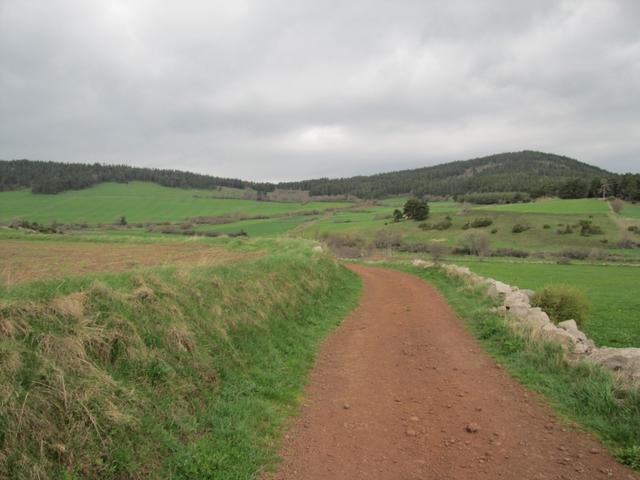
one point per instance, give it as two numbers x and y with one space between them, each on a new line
55 177
532 172
535 173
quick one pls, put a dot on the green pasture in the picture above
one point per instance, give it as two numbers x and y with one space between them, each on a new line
582 206
614 319
541 236
260 228
138 202
631 210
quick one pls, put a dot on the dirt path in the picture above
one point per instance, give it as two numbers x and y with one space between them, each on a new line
397 384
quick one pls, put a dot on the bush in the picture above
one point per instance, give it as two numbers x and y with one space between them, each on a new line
625 243
562 302
509 252
443 225
546 226
520 227
587 228
574 253
416 209
437 251
474 243
347 246
616 205
494 230
567 230
481 222
387 239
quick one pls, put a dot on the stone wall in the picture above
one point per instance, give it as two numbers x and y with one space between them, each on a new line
520 315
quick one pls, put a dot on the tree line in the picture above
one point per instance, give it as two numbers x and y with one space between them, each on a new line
513 176
56 177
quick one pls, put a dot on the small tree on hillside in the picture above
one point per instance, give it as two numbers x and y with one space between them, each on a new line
416 209
397 215
122 221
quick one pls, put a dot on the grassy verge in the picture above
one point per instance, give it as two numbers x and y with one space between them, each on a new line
581 393
167 373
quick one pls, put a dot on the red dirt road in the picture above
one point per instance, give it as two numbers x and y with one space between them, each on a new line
395 388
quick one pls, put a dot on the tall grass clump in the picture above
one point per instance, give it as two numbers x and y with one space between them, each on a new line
562 302
166 373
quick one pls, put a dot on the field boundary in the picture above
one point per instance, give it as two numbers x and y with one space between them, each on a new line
624 363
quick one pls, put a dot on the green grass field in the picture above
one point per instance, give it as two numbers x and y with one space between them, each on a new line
138 202
269 227
631 210
542 235
614 319
583 206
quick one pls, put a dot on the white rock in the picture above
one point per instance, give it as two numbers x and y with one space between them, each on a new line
421 263
624 361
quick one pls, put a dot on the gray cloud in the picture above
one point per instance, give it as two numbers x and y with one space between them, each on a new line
275 90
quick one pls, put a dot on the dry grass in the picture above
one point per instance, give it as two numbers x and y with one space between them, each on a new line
25 261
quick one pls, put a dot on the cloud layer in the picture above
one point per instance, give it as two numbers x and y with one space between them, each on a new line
278 90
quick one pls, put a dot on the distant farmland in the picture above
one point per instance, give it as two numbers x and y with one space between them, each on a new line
138 202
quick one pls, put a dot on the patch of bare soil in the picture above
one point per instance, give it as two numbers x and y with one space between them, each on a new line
24 261
402 391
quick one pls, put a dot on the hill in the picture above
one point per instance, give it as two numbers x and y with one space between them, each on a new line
532 172
56 177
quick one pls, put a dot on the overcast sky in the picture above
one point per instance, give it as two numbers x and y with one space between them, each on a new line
278 90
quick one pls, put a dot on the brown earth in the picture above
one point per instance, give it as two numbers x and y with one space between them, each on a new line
23 261
402 391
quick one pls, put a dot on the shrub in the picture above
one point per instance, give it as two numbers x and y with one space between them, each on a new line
443 225
494 230
546 226
347 246
587 228
397 215
437 251
616 205
417 247
466 226
387 239
474 243
416 209
567 230
574 253
625 243
520 227
481 222
509 252
562 302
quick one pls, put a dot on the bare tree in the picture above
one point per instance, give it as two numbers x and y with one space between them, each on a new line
616 205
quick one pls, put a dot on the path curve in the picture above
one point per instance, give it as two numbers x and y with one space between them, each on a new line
397 384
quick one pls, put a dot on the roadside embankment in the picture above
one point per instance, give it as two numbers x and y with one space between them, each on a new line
172 372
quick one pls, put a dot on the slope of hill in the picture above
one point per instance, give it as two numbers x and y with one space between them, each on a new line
536 173
55 177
